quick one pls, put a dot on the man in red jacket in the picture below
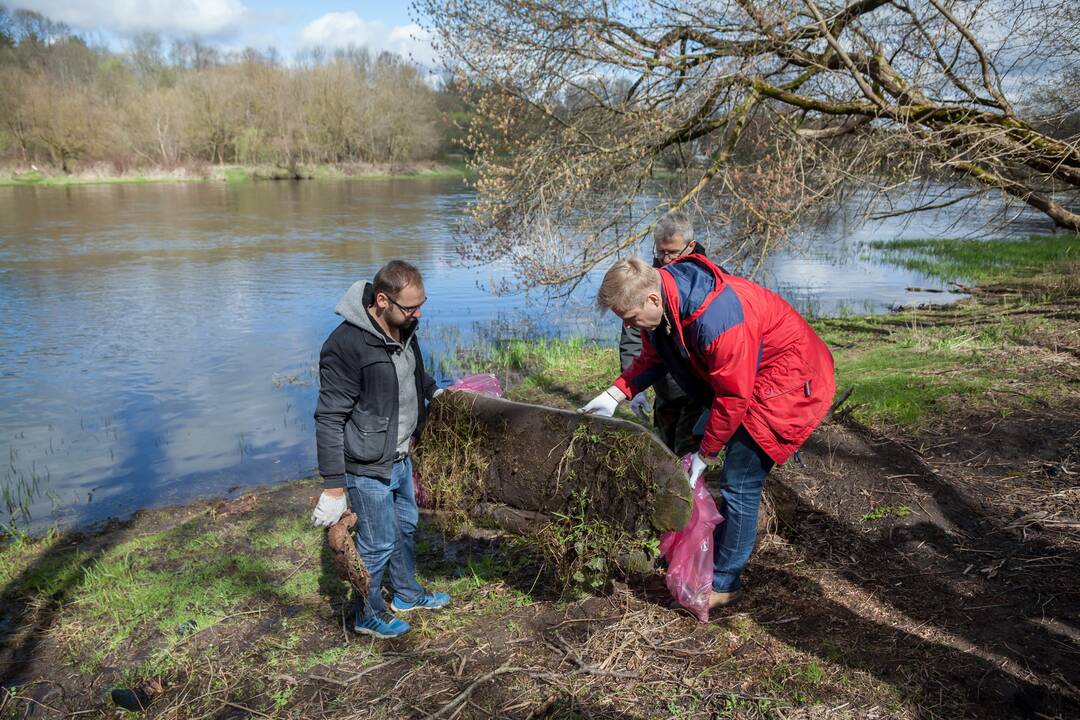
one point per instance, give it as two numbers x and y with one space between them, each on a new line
752 360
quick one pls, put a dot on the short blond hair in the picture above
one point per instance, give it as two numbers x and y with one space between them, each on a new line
626 285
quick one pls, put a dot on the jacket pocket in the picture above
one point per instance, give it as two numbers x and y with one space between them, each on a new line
365 437
789 409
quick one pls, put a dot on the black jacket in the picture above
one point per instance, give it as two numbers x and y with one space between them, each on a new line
356 420
630 347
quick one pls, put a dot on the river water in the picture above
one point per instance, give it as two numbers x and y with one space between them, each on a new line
158 341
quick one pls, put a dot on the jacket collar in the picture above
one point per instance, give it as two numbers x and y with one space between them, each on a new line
677 318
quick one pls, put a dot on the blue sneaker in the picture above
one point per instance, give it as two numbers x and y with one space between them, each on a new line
382 626
427 601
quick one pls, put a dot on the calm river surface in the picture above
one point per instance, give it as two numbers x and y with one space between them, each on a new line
158 341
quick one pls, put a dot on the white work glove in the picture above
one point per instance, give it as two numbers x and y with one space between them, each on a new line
329 510
697 469
603 404
641 406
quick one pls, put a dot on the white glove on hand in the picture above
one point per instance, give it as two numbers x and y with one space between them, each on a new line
329 510
603 404
697 469
641 406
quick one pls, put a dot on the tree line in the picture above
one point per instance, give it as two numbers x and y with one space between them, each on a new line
67 101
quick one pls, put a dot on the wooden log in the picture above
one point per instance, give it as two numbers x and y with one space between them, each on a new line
552 462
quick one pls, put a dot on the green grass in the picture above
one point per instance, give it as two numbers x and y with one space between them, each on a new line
40 180
900 382
560 373
235 175
899 373
158 582
447 173
57 568
900 370
883 511
979 261
330 656
902 366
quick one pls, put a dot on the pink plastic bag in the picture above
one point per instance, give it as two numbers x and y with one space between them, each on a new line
689 553
484 383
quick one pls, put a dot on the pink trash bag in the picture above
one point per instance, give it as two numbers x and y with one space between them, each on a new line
689 553
485 384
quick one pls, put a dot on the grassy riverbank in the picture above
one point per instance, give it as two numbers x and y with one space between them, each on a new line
902 368
106 174
921 564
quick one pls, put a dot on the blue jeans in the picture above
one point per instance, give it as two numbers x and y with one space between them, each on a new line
745 467
386 516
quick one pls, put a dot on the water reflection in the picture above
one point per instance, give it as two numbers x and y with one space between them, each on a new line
158 341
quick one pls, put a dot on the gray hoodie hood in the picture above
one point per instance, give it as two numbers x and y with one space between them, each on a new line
353 307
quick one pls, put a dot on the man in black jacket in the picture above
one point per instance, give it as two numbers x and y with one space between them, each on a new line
373 395
675 413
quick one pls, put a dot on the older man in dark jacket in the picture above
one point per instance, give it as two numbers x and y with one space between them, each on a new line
674 412
373 395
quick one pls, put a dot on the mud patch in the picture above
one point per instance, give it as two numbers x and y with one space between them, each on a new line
919 539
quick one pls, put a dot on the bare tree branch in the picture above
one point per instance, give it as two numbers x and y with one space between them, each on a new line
600 115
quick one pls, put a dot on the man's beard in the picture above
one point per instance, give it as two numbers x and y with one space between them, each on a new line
403 325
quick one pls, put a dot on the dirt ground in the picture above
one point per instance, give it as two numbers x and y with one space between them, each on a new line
902 574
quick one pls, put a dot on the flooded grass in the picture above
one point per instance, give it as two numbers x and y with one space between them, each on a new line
980 261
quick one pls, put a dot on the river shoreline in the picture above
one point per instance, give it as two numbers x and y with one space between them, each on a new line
884 369
105 174
935 509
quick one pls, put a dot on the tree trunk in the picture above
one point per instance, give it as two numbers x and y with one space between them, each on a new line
550 462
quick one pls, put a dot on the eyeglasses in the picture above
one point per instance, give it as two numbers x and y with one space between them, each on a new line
666 256
409 310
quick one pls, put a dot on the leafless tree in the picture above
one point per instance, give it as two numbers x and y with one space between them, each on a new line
62 117
145 55
69 100
768 110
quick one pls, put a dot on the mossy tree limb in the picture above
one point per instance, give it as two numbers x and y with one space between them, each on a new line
606 487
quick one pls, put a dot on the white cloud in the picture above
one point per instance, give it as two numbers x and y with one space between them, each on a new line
175 17
341 29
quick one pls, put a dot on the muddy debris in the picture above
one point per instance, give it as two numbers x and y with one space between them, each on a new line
347 563
136 699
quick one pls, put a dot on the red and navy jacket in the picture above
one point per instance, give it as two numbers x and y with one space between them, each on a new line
744 351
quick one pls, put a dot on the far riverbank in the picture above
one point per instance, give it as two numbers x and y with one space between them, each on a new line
104 173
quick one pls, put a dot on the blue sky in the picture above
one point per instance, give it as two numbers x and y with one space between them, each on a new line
288 25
